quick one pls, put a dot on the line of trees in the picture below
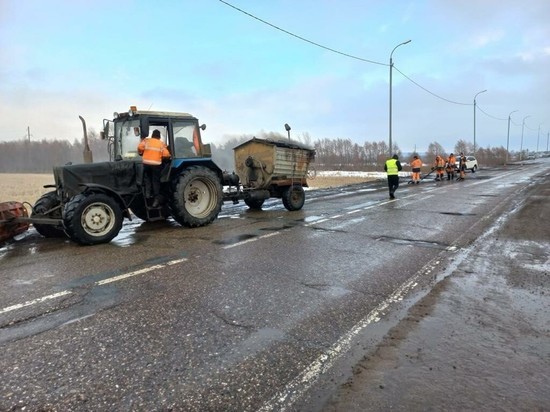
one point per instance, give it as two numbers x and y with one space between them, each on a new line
25 156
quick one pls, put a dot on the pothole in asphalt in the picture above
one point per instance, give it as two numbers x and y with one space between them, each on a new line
457 214
412 242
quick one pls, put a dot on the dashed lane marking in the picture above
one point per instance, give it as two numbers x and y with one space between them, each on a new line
98 283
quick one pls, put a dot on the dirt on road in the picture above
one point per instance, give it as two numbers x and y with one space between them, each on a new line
479 340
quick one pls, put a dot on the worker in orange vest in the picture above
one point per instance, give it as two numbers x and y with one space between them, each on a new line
461 167
153 152
451 167
416 164
439 166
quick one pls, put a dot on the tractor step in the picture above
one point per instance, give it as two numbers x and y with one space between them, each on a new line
155 213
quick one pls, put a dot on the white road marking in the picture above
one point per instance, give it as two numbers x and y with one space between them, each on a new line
35 301
255 239
296 388
98 283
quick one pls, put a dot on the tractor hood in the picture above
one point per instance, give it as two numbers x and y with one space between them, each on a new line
121 176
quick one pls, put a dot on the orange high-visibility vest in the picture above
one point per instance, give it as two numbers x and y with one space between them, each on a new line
416 163
153 151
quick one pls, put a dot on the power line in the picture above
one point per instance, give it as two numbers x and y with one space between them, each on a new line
487 114
358 58
426 90
304 39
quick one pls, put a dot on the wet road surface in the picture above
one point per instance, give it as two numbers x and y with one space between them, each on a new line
262 310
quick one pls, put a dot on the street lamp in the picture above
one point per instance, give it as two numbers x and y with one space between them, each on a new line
483 91
508 138
391 68
287 128
521 144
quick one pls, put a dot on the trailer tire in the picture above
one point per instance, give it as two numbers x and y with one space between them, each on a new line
46 202
198 197
92 218
294 197
255 204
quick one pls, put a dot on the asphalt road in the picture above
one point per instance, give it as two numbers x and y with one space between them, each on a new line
262 310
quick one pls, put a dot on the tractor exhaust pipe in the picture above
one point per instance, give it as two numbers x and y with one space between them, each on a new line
87 154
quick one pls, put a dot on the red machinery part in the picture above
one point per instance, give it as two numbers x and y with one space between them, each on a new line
10 226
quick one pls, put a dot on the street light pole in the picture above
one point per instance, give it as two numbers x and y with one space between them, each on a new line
483 91
538 137
521 144
508 138
391 69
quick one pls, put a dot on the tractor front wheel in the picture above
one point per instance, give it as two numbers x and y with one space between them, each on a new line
92 218
198 197
49 206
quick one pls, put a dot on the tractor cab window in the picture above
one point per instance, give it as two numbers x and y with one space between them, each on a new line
183 139
126 141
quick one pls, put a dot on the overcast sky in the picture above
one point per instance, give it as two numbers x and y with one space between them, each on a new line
61 59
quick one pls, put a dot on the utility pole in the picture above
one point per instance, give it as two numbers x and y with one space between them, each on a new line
29 133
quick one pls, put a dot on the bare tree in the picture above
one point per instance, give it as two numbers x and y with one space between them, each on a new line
435 149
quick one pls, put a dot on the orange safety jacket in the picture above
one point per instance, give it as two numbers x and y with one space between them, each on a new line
416 164
451 163
153 151
439 162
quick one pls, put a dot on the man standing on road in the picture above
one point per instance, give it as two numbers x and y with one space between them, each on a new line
392 168
153 150
451 167
462 166
416 165
439 166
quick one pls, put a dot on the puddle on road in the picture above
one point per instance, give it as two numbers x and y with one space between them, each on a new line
233 240
412 242
457 214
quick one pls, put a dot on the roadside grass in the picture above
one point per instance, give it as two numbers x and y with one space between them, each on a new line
22 187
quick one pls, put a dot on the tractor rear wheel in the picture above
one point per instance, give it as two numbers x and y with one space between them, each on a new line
294 197
92 218
198 197
49 206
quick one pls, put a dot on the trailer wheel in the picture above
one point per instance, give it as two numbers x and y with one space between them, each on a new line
294 197
92 218
44 204
254 203
198 197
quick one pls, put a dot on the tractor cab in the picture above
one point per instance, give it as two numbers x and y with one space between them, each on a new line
180 132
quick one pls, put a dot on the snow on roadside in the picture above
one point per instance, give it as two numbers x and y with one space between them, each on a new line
342 173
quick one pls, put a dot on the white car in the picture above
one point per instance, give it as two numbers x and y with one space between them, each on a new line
471 163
